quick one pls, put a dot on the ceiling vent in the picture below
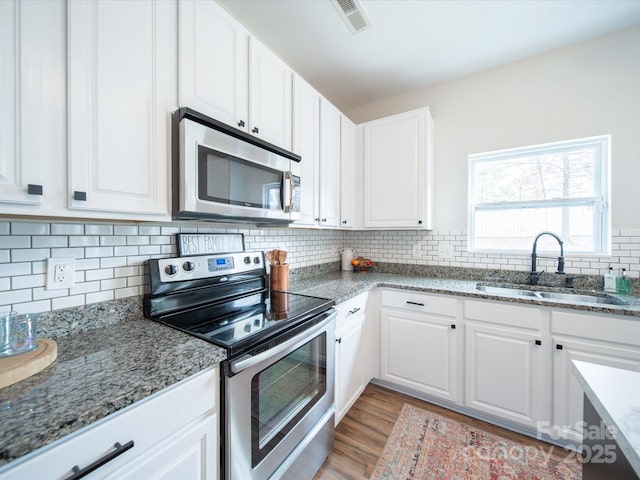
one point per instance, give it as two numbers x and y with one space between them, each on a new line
353 14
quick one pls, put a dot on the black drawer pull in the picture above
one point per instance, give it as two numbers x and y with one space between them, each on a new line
81 196
339 340
34 189
538 342
559 347
453 326
415 303
241 123
354 310
83 472
255 130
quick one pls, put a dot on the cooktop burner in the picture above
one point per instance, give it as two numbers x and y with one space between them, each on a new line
224 299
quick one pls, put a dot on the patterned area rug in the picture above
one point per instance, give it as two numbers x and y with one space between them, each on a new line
424 445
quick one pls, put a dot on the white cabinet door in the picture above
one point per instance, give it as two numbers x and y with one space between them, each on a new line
350 180
191 454
306 138
397 164
213 63
270 93
32 91
350 378
122 84
329 164
567 394
503 372
418 351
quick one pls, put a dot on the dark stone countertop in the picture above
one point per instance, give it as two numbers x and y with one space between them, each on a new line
97 372
110 357
341 286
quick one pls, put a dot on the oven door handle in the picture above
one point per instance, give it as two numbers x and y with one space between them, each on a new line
248 361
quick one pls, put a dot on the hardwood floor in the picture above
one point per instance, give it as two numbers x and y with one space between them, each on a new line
362 434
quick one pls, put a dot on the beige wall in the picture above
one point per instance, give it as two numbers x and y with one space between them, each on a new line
591 88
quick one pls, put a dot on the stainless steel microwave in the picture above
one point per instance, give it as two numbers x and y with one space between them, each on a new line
221 173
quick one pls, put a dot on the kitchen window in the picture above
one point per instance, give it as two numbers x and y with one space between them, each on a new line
559 187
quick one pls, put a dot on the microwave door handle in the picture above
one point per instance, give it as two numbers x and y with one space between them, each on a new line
287 192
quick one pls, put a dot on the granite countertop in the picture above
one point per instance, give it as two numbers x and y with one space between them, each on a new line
615 395
98 372
103 366
340 286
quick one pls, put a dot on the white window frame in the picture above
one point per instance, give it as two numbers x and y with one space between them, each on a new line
601 200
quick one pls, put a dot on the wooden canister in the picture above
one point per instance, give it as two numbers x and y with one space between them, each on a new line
279 279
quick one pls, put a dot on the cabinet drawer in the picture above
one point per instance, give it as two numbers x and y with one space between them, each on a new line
350 309
503 313
419 302
146 423
608 328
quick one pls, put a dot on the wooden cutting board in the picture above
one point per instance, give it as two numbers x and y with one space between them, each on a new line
16 368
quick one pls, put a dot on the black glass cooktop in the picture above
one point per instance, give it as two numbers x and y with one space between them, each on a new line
241 323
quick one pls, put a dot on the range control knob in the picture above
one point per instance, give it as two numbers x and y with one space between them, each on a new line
171 270
247 260
256 260
189 266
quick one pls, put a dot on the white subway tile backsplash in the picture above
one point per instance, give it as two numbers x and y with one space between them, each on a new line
125 251
29 255
5 228
67 302
5 283
84 241
5 256
125 230
85 287
28 228
13 269
126 292
68 252
32 307
17 241
98 297
28 281
15 296
49 241
98 229
93 252
42 293
144 230
87 263
113 283
113 240
67 229
91 275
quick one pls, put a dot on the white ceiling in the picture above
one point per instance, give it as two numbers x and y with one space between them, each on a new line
416 43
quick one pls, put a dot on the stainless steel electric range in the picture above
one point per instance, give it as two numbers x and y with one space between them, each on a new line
277 382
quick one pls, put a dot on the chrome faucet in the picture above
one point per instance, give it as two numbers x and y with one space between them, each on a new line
534 276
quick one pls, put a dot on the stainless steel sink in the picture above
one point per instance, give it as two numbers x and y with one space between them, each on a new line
566 297
578 297
507 291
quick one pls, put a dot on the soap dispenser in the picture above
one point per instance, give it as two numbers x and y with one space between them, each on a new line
623 283
610 281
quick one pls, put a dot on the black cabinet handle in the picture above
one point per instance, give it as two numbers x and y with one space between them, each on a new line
344 222
241 123
339 340
559 347
324 219
415 303
34 189
317 219
81 196
419 222
255 130
83 472
453 326
538 342
354 310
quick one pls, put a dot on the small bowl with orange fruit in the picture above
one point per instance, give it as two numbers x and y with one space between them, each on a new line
361 264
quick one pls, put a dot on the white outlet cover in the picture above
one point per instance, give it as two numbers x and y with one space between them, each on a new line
60 273
417 251
445 250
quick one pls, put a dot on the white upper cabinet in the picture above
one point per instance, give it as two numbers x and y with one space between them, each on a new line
230 76
397 171
32 95
213 63
329 164
306 138
122 87
270 93
350 179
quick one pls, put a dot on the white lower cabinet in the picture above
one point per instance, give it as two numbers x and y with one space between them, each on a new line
504 361
418 342
172 434
582 337
503 372
351 348
351 375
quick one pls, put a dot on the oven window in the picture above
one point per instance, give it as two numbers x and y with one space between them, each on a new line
284 392
223 178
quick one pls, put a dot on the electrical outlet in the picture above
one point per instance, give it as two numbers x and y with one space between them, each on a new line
445 250
417 251
60 272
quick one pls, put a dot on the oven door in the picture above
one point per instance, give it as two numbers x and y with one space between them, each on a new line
277 402
225 176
